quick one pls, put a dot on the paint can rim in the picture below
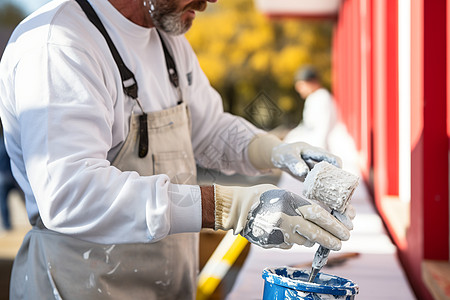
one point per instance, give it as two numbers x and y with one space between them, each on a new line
297 279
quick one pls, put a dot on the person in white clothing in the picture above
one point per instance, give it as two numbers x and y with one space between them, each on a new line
319 115
106 113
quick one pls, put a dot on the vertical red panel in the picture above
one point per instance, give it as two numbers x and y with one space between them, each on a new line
413 255
347 76
380 97
366 117
349 69
357 45
435 132
448 71
346 62
356 70
428 235
385 95
392 114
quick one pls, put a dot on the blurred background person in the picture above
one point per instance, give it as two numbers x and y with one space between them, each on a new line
319 111
320 125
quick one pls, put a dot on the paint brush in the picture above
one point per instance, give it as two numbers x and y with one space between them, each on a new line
333 261
332 187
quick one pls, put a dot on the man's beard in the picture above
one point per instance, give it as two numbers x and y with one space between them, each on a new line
166 17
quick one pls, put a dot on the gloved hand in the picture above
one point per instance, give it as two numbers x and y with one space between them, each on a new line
267 151
271 217
298 158
346 217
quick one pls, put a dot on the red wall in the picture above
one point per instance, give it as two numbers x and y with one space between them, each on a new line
428 235
430 149
347 77
365 84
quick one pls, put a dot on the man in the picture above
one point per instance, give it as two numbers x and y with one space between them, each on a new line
104 121
319 111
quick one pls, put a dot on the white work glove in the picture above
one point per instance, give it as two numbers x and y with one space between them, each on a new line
298 158
271 217
267 151
346 217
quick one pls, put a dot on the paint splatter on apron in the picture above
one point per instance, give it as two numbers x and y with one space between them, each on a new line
52 265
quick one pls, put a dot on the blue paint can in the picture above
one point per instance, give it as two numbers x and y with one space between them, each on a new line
290 283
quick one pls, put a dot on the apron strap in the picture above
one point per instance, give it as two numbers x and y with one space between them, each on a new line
170 63
129 82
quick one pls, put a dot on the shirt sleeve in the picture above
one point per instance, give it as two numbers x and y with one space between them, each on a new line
66 111
220 139
319 117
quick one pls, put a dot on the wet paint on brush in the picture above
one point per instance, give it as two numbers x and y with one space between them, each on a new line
330 185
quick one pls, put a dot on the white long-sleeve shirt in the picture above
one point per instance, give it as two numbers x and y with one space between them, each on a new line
66 116
319 119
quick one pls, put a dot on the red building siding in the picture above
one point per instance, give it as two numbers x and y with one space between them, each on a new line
365 74
366 86
433 144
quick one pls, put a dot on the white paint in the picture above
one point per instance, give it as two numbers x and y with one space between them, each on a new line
320 258
108 252
163 283
265 223
114 269
220 269
404 98
330 185
274 200
56 294
86 254
91 281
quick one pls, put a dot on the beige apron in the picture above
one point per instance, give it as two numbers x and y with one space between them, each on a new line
50 265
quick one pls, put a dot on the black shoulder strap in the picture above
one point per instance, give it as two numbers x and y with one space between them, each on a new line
170 63
129 82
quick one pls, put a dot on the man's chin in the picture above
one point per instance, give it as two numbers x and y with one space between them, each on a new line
177 31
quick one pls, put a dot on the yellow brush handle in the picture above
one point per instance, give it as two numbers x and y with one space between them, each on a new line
219 263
